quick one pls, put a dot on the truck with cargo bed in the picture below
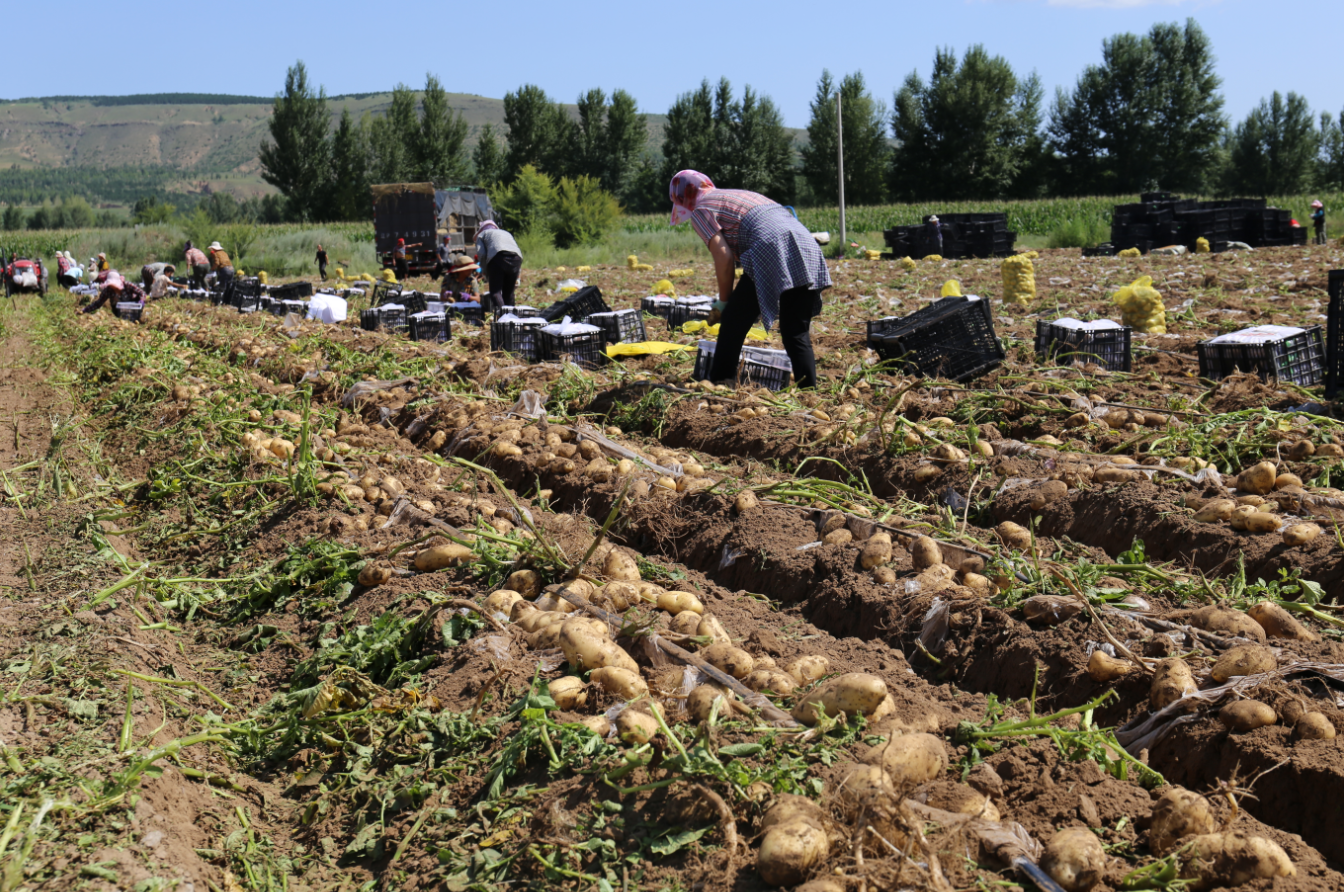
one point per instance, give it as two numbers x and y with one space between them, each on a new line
423 215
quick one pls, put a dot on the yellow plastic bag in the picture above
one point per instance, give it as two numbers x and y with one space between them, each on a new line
1019 280
907 264
872 255
1201 245
664 287
951 288
1141 306
1130 252
646 348
698 326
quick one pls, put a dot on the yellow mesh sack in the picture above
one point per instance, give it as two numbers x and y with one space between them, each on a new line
934 258
632 261
664 287
1201 245
1141 306
1130 252
1019 280
907 264
951 288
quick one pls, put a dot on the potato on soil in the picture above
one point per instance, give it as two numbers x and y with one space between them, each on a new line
958 798
680 602
732 660
1075 859
1232 858
838 537
620 681
1314 726
795 841
910 759
853 693
686 623
1226 621
525 582
1300 534
635 727
1246 659
1261 522
745 501
710 627
1172 681
876 551
1246 715
620 567
441 557
502 601
866 785
1215 511
1179 813
1104 668
1014 535
925 553
806 670
586 650
1279 623
884 576
598 724
568 692
770 680
374 575
700 703
1258 479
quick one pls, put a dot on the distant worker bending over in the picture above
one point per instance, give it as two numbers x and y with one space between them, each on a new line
197 263
221 265
498 254
783 270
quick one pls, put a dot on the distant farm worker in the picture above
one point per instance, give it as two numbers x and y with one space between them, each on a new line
457 281
149 271
197 263
103 265
783 271
498 254
115 289
65 266
400 261
221 265
445 255
1318 221
933 236
163 282
322 263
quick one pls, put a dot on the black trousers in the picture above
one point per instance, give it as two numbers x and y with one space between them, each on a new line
502 274
322 271
797 306
403 270
198 274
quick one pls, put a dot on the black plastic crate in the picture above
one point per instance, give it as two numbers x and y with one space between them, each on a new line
383 319
430 327
292 291
586 349
581 304
1105 249
1107 347
757 366
880 328
620 325
384 293
247 303
1299 358
952 339
518 337
682 313
523 312
130 311
468 311
1334 339
281 307
657 305
413 301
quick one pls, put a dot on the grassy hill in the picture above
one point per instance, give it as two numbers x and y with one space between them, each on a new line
210 140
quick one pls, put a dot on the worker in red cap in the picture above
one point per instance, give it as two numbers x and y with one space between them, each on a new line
1318 221
399 260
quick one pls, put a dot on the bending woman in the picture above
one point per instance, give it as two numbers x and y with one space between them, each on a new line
783 271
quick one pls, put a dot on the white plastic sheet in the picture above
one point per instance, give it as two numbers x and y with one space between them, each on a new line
327 308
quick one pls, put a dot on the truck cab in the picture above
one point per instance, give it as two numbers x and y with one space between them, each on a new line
423 216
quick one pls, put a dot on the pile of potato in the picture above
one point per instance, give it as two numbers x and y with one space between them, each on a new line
1252 512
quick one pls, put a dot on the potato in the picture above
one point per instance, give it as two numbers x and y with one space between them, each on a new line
884 576
795 842
554 603
281 448
392 486
1287 480
1104 668
1246 715
636 728
1177 814
1232 858
685 623
1051 610
960 799
619 595
700 703
876 551
853 693
838 537
745 501
620 567
502 601
1258 479
1226 621
866 785
1330 450
525 582
1172 681
1014 535
1261 522
710 627
443 556
732 660
620 681
374 575
1247 659
1215 511
1300 534
1075 859
598 724
1238 518
925 473
545 636
925 553
1314 726
679 602
1279 623
586 650
1116 475
910 759
770 680
982 584
568 692
806 670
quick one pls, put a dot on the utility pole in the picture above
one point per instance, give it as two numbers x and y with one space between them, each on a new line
840 165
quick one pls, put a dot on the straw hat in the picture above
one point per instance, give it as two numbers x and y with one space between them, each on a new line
461 263
216 246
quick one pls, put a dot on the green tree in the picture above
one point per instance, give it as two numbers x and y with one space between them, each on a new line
488 159
538 131
222 207
76 213
392 139
583 212
348 195
866 149
1274 151
1330 166
1149 116
627 134
150 210
297 158
524 207
970 132
12 219
440 145
688 136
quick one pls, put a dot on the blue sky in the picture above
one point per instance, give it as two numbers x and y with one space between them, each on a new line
653 50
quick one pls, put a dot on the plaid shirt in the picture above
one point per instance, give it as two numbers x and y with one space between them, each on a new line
196 257
722 210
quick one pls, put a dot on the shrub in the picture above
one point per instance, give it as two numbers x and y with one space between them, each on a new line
1079 232
584 212
524 207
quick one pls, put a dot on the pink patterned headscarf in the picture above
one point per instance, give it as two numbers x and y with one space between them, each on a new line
486 226
685 190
